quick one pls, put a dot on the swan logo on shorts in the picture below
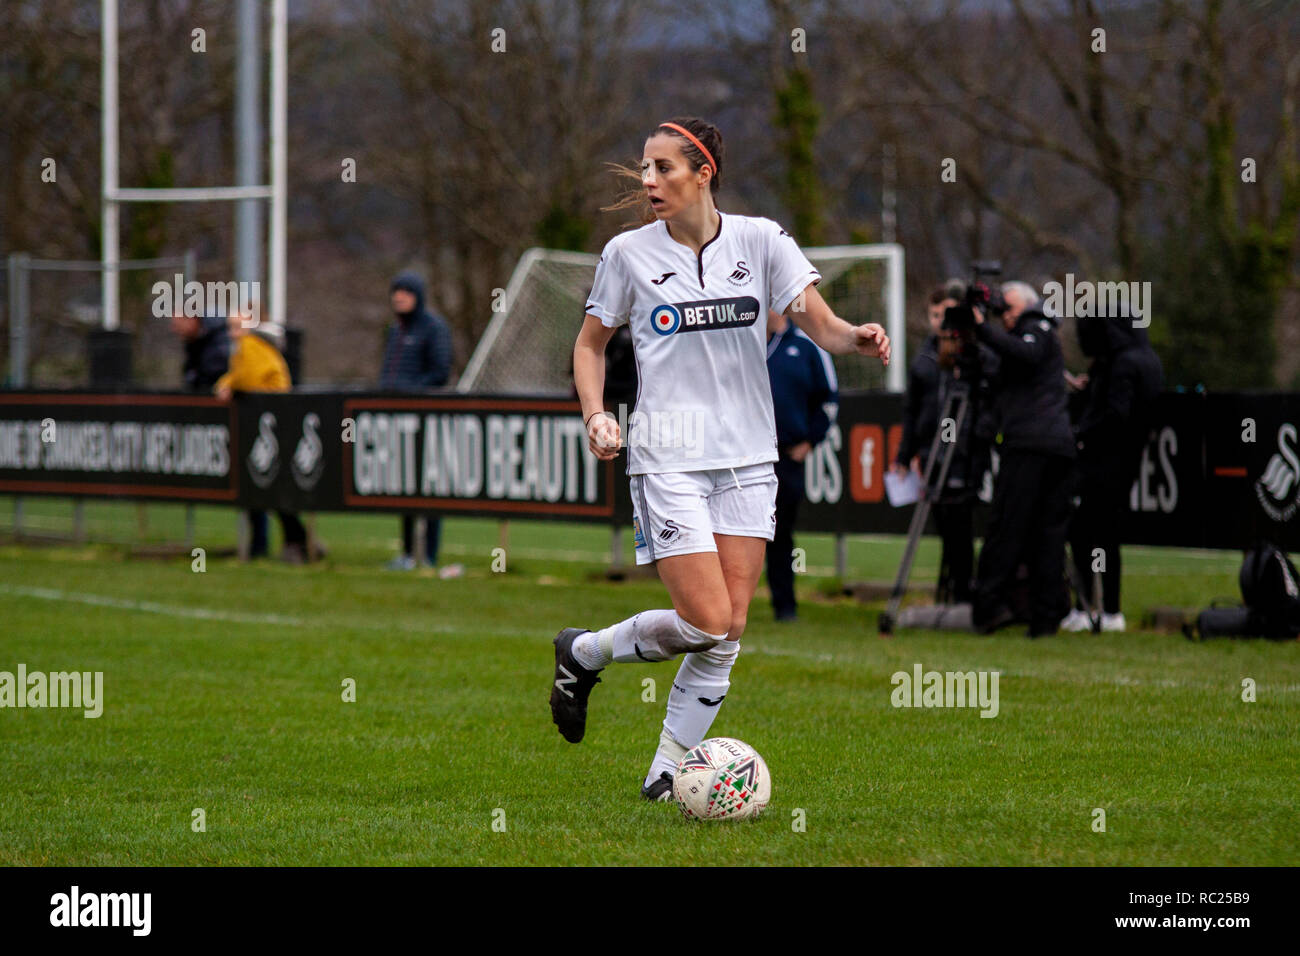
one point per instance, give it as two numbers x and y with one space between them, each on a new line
670 531
665 319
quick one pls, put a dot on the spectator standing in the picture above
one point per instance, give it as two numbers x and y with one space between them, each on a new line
207 349
256 365
417 356
1117 395
804 395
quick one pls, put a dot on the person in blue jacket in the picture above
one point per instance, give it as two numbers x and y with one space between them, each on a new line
805 397
417 355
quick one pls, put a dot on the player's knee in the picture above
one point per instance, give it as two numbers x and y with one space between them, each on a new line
703 632
738 621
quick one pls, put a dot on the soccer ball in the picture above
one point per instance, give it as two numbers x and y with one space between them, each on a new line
722 779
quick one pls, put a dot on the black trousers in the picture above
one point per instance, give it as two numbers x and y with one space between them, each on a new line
780 569
953 520
1096 524
432 532
294 532
1027 523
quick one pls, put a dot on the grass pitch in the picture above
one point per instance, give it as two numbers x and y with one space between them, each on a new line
223 692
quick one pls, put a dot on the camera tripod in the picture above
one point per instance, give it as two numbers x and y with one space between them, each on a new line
954 409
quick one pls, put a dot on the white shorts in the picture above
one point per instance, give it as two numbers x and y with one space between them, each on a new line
679 512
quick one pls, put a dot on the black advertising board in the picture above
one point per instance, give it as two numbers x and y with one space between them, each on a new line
845 475
462 454
1217 471
117 445
290 458
1167 499
1252 469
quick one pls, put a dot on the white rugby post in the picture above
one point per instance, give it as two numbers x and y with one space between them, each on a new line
112 196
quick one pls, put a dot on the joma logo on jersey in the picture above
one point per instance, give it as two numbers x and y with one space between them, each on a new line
705 315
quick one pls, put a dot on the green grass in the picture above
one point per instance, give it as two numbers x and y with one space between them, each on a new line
223 692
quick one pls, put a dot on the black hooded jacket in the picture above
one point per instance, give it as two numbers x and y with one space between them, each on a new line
1123 381
1031 403
207 355
418 353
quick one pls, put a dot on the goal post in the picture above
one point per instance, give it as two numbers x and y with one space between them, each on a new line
527 348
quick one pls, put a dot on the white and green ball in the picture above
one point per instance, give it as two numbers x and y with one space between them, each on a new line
722 779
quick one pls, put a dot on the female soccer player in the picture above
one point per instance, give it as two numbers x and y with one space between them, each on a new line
695 286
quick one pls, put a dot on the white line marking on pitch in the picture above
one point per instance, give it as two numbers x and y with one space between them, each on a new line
241 617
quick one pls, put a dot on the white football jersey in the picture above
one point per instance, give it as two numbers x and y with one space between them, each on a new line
699 333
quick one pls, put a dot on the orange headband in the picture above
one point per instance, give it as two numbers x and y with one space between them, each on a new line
689 135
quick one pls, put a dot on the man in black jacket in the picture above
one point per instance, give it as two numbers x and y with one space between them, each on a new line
207 350
418 352
417 355
1119 390
1031 495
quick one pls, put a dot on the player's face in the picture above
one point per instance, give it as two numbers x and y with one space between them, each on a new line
668 178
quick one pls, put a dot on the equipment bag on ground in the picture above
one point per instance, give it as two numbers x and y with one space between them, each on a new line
1270 588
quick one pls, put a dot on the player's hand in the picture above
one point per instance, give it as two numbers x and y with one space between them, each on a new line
870 339
603 436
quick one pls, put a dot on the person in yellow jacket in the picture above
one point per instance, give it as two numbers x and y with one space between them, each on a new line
256 365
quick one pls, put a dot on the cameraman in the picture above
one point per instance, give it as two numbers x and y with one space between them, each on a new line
949 361
1031 495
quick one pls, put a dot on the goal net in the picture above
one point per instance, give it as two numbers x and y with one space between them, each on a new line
528 346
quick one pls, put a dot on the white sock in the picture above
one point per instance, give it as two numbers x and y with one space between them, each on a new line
701 683
649 636
588 652
667 757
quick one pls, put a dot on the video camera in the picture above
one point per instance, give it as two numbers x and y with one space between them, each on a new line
979 294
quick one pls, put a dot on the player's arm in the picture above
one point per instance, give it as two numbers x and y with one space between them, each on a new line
810 312
589 380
